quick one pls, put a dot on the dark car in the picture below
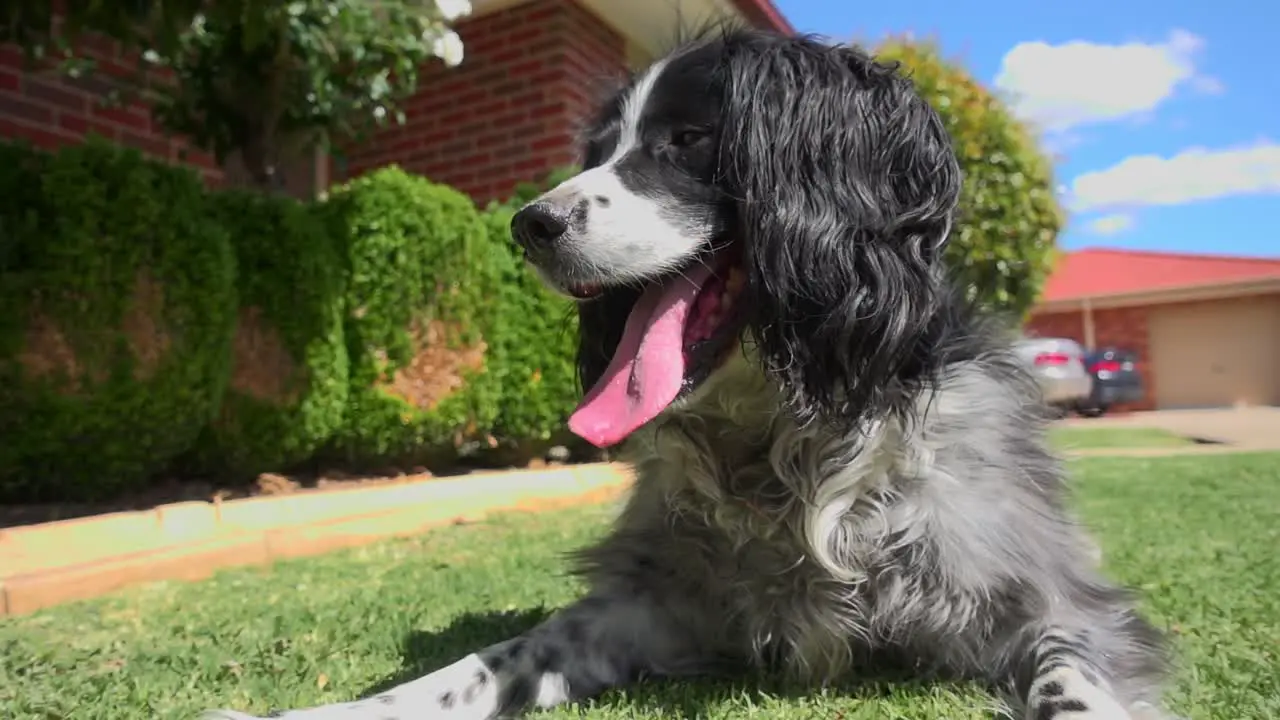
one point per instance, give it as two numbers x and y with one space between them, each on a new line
1115 380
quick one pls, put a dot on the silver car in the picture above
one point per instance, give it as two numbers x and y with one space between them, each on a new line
1058 363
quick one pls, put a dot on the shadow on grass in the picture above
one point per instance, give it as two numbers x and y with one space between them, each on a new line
706 697
693 698
424 652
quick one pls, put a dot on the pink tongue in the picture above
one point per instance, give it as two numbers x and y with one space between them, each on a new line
647 369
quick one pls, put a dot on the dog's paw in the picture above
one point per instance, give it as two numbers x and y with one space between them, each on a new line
1066 694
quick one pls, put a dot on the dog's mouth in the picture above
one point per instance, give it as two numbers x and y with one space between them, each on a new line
677 333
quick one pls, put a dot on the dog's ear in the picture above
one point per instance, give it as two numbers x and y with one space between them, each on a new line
845 184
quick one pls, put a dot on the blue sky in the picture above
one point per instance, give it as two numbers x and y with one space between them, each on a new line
1164 114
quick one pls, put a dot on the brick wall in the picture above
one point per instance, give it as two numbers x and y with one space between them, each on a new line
510 112
51 110
1058 324
1120 327
1127 328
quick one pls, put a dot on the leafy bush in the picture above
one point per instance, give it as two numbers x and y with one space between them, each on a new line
289 377
421 300
1003 245
117 305
535 342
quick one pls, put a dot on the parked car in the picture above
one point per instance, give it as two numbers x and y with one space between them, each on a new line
1115 380
1058 363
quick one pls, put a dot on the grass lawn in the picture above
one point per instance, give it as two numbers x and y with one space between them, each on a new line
1199 536
1066 438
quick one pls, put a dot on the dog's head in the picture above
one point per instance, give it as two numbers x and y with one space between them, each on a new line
750 187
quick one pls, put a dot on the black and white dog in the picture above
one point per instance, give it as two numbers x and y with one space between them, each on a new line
841 467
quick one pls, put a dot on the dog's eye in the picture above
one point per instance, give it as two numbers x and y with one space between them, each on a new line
688 137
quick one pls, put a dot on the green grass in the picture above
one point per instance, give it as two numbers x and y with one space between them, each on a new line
1111 438
1199 536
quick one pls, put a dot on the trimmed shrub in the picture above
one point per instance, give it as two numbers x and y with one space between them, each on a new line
1003 245
289 376
535 341
117 304
420 301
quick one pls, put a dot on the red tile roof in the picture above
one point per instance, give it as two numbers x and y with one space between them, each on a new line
1094 272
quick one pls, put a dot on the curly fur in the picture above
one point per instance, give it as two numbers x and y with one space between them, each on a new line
866 484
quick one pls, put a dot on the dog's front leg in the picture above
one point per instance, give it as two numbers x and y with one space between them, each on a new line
1069 682
600 642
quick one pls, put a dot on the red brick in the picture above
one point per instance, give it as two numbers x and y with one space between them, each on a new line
528 166
39 136
156 146
51 110
510 112
96 86
99 47
51 92
553 142
125 117
119 68
475 159
24 110
82 126
552 110
11 57
194 157
1061 324
526 68
504 57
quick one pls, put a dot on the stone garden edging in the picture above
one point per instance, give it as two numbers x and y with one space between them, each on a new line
55 562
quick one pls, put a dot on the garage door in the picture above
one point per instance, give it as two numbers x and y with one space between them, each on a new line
1218 353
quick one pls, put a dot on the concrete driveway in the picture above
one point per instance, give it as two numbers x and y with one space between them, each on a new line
1253 428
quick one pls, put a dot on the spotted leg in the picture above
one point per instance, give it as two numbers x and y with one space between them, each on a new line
1068 682
598 643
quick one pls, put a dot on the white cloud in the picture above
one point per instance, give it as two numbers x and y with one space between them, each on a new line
1192 175
1208 85
1057 144
1113 224
1079 83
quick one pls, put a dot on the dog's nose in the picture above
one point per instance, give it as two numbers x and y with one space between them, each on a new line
539 226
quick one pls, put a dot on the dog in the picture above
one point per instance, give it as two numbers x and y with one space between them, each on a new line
841 466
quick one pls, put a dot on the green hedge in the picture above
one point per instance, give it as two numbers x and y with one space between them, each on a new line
391 322
289 377
536 338
117 305
420 302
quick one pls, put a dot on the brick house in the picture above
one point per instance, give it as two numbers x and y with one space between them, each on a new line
1206 327
508 113
532 71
